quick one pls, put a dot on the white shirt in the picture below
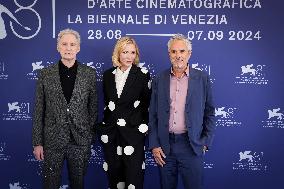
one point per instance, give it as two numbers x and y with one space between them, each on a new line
120 79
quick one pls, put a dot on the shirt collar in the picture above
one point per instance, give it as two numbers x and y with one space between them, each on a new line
120 72
62 66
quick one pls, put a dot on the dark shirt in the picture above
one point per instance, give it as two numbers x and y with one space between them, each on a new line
67 79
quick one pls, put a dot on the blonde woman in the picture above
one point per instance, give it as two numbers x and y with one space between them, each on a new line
125 123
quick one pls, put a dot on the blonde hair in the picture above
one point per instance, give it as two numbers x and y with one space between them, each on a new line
119 47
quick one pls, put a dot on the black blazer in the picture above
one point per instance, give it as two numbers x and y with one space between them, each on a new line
127 113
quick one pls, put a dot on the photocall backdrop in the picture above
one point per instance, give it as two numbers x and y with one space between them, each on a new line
239 43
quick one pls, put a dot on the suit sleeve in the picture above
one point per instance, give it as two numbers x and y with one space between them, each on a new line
153 119
105 78
39 112
209 122
146 95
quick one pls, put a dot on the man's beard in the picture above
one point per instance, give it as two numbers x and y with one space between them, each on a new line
179 67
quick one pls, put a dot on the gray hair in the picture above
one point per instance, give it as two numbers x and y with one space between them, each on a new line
69 31
181 37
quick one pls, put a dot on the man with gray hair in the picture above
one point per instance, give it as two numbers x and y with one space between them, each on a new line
65 113
181 118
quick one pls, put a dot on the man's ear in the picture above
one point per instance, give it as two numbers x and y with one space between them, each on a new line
189 53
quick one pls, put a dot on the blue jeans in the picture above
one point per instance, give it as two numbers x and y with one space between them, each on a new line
182 160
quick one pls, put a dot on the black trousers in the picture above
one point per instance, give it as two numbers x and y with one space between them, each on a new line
125 163
77 161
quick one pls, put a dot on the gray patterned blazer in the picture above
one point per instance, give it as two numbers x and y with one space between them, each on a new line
54 119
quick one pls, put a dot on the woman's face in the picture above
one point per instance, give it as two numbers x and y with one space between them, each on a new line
127 56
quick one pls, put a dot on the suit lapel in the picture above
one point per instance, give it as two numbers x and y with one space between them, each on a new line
166 79
110 85
79 82
129 81
191 84
57 83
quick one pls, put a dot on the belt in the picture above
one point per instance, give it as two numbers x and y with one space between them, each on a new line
178 137
175 134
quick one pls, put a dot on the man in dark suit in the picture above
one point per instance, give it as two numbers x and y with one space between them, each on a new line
181 118
65 114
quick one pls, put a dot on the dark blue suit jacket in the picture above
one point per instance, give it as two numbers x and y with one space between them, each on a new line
199 111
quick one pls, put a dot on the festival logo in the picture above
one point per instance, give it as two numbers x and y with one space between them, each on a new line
26 29
99 67
36 67
3 155
17 185
17 111
149 67
249 160
252 74
275 119
204 68
226 117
